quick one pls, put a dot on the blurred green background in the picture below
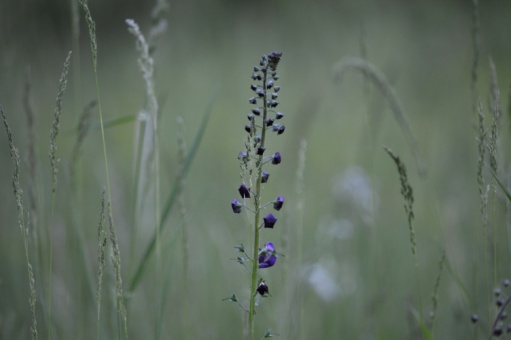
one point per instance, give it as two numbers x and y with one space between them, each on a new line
355 278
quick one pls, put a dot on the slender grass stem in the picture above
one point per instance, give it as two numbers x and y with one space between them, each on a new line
257 208
54 165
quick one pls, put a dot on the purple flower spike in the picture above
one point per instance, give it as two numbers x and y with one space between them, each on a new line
236 206
278 203
264 177
276 158
270 219
267 256
244 191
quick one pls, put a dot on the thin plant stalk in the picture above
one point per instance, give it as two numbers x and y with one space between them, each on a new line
54 165
94 50
146 65
18 195
407 192
121 310
101 258
116 260
184 216
255 226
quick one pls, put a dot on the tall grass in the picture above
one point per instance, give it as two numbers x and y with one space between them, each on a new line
18 195
407 193
102 238
379 79
54 166
175 279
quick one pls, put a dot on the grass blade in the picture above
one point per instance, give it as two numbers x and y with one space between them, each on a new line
171 199
380 80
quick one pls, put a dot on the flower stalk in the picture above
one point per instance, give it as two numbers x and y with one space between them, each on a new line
262 121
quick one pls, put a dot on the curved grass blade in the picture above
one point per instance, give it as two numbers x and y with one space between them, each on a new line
506 192
171 199
380 80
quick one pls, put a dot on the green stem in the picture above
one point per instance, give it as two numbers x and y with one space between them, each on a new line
257 208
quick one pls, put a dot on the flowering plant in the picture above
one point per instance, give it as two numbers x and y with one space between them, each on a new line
263 119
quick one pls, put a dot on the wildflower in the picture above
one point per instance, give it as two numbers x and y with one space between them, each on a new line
236 206
265 176
276 158
267 256
244 191
278 203
270 220
262 288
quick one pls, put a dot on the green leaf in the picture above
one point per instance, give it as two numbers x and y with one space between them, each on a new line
142 266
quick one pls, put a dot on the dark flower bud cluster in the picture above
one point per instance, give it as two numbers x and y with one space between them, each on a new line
502 299
263 120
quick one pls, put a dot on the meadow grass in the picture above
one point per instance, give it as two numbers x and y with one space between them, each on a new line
18 195
54 166
340 273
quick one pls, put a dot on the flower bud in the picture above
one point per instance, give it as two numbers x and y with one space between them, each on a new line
262 288
278 203
248 128
265 176
236 206
260 150
252 100
276 158
279 115
256 111
269 220
244 191
281 130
